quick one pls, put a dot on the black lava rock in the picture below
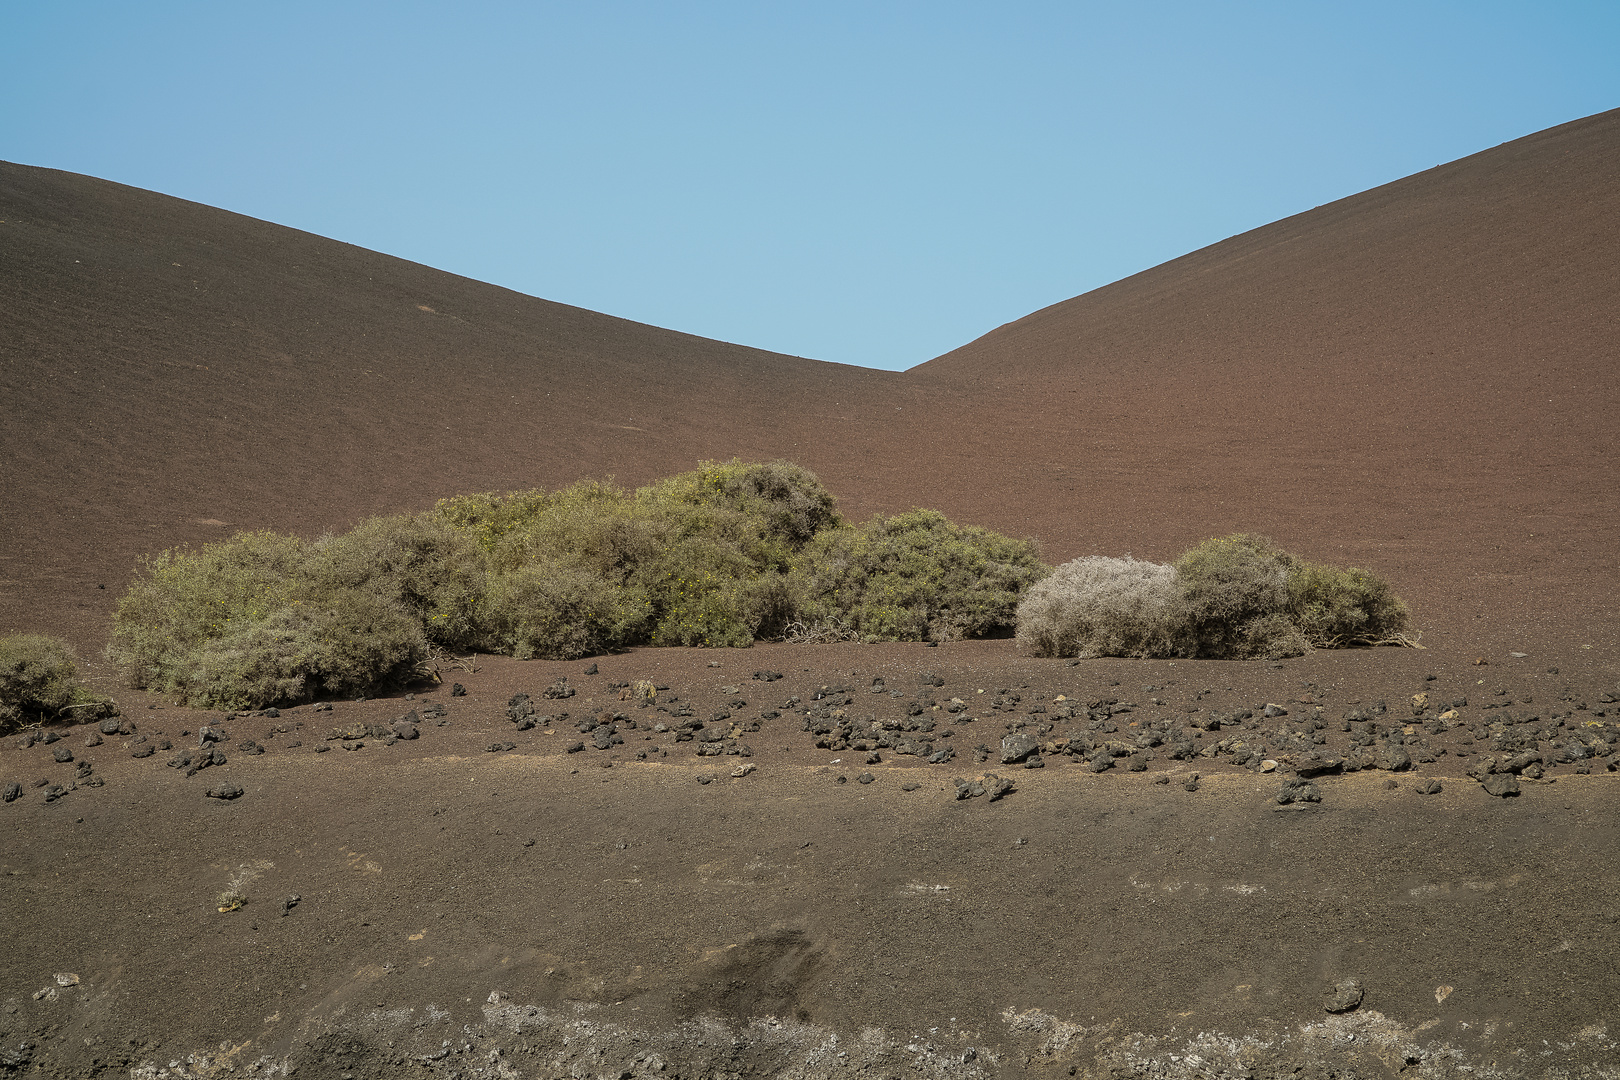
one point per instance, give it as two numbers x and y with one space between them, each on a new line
1016 747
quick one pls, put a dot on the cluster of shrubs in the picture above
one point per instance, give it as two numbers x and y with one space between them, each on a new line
1237 597
39 682
724 555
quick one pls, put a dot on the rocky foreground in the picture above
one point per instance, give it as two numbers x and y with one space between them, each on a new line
832 861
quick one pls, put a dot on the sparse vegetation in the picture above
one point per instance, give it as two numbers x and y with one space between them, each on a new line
915 577
1236 597
1233 600
39 680
1100 606
724 555
1334 607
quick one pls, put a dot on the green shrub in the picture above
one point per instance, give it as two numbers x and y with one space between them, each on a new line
417 565
773 510
182 599
1098 606
1234 600
720 556
1334 607
547 609
706 550
916 577
698 586
346 644
39 680
488 517
592 526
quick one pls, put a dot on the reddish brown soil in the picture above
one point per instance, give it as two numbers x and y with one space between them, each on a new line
1421 379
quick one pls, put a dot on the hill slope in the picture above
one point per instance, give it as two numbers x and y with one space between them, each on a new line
174 372
1420 378
1424 377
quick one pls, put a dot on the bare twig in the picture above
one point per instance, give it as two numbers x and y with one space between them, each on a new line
822 632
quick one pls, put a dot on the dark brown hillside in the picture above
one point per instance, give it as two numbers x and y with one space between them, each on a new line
1424 377
172 372
1421 378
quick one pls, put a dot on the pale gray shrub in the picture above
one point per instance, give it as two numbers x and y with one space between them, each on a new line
1101 606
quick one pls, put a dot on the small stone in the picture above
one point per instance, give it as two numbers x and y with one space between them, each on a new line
1016 747
705 778
1268 765
590 670
1297 790
1502 785
1344 996
910 785
865 778
62 754
457 690
1392 758
225 791
1431 786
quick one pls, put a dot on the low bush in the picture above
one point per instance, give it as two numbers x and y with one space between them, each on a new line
348 644
183 599
1098 606
1236 597
1334 607
724 555
417 565
915 577
551 610
39 681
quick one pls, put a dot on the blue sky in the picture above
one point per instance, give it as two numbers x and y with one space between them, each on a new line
873 183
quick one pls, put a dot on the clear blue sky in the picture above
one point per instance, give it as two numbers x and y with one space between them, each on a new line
874 183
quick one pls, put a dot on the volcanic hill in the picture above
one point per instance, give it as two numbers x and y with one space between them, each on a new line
863 861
